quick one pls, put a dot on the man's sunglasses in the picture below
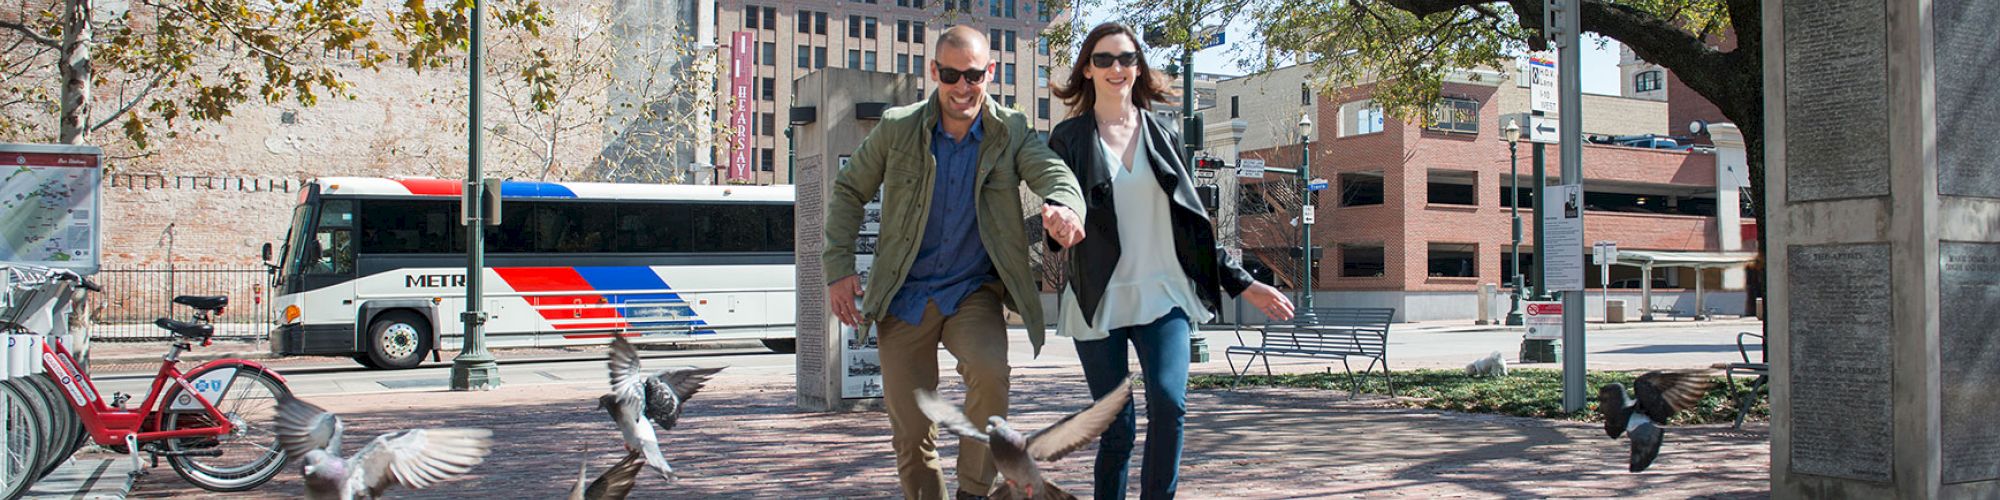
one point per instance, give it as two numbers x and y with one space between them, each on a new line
949 76
1104 59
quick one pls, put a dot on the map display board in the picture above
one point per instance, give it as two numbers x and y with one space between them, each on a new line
49 205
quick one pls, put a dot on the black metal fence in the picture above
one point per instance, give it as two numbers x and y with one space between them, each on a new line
133 298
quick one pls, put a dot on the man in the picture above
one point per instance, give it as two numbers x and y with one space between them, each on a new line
951 253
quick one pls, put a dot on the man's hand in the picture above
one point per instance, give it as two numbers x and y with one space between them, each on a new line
841 295
1062 224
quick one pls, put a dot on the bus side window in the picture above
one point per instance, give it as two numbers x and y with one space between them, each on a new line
332 244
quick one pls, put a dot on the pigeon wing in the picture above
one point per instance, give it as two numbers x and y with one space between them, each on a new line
1662 394
419 458
576 492
947 416
1611 406
686 381
662 407
304 427
617 482
1079 428
624 368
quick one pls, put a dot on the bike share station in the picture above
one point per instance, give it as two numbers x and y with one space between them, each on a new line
209 423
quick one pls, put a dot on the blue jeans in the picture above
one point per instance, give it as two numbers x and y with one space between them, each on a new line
1163 359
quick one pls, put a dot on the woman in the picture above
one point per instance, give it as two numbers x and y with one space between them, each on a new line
1150 269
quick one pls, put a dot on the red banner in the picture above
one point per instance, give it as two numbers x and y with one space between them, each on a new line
742 74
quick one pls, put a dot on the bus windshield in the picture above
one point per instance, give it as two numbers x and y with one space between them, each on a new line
289 255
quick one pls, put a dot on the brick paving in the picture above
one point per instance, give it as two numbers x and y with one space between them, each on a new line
743 439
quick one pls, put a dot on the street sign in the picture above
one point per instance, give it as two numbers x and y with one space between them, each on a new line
1542 84
1309 214
1250 167
1211 37
1544 129
1543 319
1316 184
1564 222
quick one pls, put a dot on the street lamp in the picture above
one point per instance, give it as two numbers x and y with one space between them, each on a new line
1306 204
1512 134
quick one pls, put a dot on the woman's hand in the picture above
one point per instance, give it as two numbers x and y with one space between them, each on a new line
1267 299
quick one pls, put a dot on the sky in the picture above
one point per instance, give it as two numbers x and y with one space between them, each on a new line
1600 64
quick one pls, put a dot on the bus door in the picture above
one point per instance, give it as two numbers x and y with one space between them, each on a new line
327 269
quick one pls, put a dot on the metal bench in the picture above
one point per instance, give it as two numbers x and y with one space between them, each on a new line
1321 333
1760 370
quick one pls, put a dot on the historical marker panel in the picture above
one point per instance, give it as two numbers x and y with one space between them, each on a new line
1836 100
812 345
1968 65
1841 329
1969 307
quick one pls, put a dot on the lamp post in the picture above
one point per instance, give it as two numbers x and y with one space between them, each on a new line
1512 134
475 368
1305 204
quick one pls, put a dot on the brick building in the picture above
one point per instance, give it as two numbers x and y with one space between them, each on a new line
1417 214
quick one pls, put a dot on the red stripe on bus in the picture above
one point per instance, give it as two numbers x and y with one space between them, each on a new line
434 187
588 336
560 279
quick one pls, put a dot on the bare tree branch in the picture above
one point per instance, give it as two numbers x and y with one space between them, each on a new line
29 33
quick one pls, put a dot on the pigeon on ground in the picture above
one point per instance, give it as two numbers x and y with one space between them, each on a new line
614 484
637 397
1016 455
1655 398
1493 365
415 458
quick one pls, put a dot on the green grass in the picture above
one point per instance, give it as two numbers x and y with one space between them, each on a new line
1522 393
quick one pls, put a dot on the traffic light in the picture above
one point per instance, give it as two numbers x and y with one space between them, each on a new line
1210 195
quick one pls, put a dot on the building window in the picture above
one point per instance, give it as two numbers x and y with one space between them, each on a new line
1010 41
1360 117
770 89
1455 115
805 22
1360 189
868 60
854 26
854 58
1527 195
1042 108
1361 261
751 14
902 3
771 18
1010 9
1009 102
1234 112
902 63
1008 73
1041 76
1305 94
1507 266
993 8
1453 187
917 32
993 37
770 159
917 4
868 28
1043 44
769 124
1454 260
1646 81
819 23
902 29
1044 13
819 57
917 66
770 54
805 57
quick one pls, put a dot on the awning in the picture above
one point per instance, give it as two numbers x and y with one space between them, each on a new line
1698 260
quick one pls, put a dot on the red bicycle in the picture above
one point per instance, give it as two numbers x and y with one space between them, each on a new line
211 423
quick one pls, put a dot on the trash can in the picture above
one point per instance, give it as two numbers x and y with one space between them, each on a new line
1614 311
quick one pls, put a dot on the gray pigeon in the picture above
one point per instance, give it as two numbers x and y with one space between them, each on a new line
614 484
414 458
1016 455
1654 399
637 397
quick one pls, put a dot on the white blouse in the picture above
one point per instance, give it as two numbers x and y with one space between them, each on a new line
1148 282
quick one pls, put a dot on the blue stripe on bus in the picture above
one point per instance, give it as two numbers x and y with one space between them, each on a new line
607 279
529 189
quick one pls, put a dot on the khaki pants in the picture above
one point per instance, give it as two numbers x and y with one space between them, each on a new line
977 336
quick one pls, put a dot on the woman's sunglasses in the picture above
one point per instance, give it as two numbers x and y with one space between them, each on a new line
949 76
1104 59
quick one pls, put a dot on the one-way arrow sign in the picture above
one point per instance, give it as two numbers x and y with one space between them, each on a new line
1544 129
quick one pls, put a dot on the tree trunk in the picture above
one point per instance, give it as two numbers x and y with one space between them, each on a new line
75 67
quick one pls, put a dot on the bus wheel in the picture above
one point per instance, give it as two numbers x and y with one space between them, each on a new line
782 346
398 340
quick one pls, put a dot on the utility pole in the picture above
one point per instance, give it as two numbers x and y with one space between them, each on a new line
474 368
1571 87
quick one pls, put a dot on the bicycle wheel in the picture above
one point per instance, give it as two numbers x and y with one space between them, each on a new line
63 420
245 458
45 405
24 446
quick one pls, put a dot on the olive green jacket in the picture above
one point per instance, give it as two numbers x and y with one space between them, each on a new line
896 158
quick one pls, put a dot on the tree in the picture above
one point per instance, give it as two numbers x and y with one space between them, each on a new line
156 63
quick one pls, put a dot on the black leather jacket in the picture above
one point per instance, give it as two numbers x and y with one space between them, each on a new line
1092 261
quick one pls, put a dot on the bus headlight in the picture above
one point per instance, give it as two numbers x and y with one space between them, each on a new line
291 314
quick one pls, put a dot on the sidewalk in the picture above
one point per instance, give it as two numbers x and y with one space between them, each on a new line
742 438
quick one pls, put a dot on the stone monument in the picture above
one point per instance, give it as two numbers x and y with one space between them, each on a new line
1884 213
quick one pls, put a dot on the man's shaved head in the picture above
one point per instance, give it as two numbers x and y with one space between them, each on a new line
962 38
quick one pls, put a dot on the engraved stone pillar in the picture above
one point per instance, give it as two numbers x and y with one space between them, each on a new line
833 109
1884 168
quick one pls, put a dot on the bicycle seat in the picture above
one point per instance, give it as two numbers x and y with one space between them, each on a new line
203 302
197 331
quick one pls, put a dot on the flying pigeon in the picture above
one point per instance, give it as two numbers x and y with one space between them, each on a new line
1655 398
637 397
414 458
614 484
1016 455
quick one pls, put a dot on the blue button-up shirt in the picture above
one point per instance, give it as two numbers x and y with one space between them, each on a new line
951 262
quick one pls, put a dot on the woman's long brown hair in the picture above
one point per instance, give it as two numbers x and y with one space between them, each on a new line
1080 96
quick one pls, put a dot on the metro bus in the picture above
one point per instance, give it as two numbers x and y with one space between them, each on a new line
374 268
